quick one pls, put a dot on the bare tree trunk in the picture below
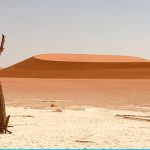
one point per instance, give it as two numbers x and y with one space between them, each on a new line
2 111
3 120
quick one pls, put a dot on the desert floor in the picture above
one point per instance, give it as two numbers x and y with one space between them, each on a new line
41 93
94 113
88 127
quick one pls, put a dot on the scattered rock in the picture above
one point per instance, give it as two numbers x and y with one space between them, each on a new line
135 117
53 105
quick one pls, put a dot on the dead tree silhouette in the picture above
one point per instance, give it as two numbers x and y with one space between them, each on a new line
2 44
3 119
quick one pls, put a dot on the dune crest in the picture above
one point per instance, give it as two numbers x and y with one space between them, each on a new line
89 58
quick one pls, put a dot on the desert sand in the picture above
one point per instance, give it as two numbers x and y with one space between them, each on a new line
88 58
88 127
61 113
38 93
77 66
61 108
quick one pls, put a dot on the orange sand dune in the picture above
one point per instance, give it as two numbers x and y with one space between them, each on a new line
80 66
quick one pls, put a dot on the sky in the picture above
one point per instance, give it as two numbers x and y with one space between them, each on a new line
114 27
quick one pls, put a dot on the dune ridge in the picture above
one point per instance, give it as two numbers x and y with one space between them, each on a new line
89 58
80 66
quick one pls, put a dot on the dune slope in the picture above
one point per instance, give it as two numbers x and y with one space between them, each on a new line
80 66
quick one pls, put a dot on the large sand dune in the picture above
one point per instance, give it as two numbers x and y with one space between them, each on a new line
80 66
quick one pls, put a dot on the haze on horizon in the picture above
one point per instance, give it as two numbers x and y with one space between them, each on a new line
111 27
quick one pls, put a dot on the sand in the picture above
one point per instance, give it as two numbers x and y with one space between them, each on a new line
77 101
88 58
77 66
41 93
88 128
77 113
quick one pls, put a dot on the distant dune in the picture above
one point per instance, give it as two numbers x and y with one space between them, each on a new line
80 66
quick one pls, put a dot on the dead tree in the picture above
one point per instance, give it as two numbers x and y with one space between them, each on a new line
2 111
2 44
3 119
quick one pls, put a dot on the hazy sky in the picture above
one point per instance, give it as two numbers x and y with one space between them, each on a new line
32 27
